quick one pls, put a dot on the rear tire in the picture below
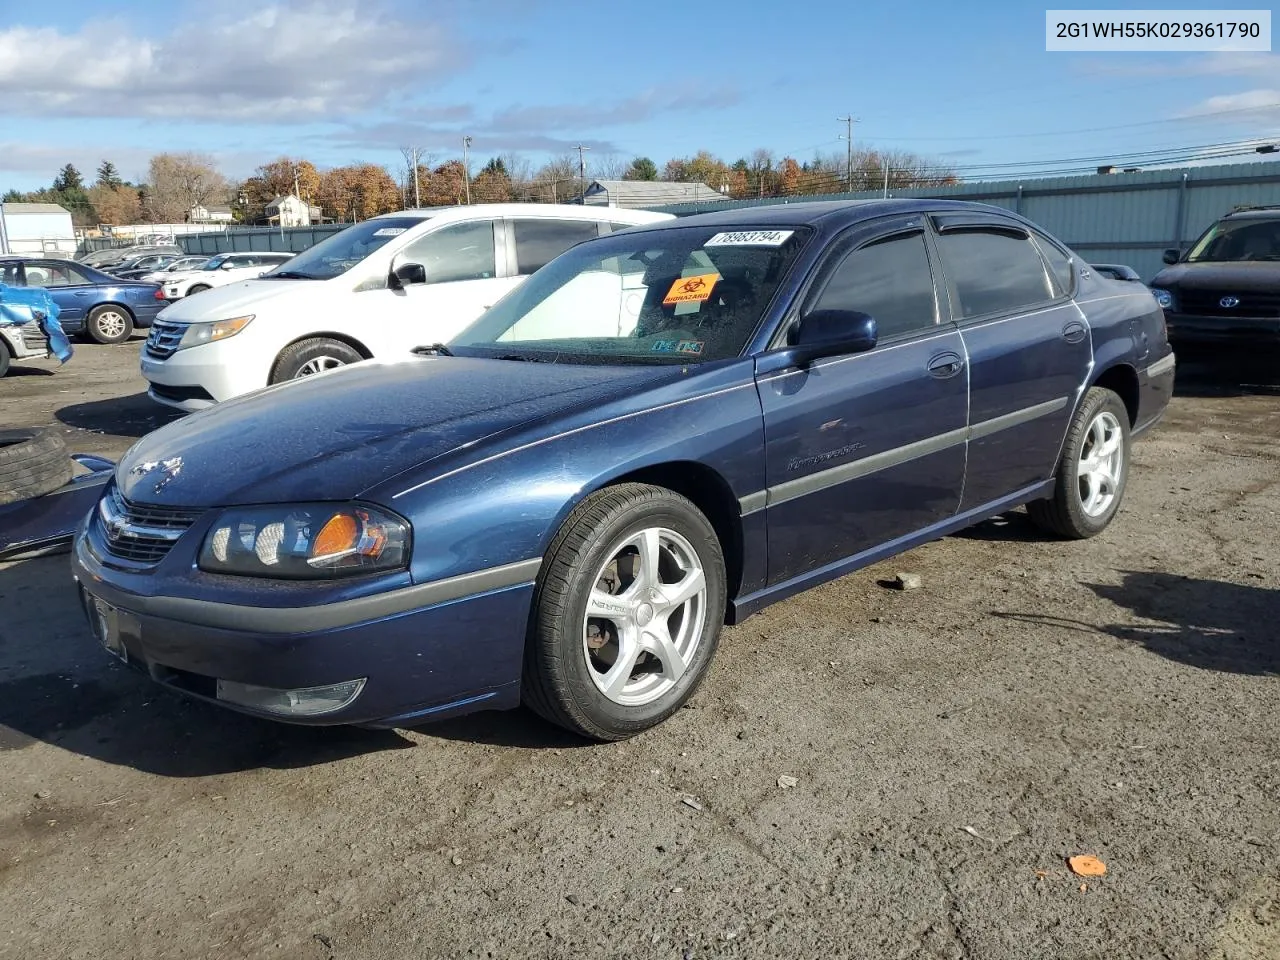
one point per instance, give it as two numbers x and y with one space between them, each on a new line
626 614
308 357
4 358
197 288
1093 471
109 324
32 463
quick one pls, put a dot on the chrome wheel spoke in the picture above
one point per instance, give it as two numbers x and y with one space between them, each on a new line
660 644
1101 464
674 594
650 545
619 674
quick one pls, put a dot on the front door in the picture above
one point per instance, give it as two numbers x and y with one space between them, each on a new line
70 289
864 449
1029 353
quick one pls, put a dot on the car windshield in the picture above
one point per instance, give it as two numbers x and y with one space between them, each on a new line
213 263
1238 240
337 254
676 295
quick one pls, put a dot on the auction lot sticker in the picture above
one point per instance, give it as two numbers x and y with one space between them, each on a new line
750 238
1178 31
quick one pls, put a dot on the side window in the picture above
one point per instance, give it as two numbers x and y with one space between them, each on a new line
47 274
460 251
1059 263
993 271
11 275
538 242
888 279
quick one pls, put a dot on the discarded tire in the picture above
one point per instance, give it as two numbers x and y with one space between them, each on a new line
32 463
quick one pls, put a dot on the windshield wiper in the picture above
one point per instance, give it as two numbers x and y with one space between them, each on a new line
432 350
523 358
289 275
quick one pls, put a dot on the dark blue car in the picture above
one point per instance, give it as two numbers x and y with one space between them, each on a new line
662 431
98 305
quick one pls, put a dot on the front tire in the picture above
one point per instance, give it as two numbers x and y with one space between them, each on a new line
109 324
197 288
1092 472
627 613
308 357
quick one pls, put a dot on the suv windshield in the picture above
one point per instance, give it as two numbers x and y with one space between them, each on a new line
1238 240
676 295
337 254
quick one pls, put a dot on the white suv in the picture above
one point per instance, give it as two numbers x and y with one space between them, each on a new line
219 271
376 289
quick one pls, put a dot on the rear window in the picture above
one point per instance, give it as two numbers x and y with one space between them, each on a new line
993 271
538 242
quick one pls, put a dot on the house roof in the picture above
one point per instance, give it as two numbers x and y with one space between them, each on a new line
12 208
280 199
653 191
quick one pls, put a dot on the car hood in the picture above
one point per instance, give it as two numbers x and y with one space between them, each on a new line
1261 275
233 299
333 436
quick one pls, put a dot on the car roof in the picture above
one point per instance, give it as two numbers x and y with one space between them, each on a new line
564 211
1262 213
829 213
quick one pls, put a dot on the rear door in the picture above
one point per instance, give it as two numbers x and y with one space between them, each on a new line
71 290
1028 348
866 448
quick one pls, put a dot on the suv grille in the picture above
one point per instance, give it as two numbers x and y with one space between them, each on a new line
141 533
1205 303
163 339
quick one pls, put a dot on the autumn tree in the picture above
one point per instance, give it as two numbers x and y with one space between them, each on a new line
108 175
115 205
702 167
445 185
492 184
788 177
179 181
279 178
641 168
359 191
557 180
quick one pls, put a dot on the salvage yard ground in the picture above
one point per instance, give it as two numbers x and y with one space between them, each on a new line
951 746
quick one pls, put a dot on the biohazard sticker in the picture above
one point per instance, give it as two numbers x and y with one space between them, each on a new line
750 238
691 289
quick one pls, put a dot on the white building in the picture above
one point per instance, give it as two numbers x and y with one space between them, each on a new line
641 194
38 229
290 211
201 213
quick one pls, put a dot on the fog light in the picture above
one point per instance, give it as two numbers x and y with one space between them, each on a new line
303 702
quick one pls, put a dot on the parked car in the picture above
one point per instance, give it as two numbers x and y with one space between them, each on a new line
220 270
114 256
29 330
1226 289
566 501
137 267
376 289
102 307
176 266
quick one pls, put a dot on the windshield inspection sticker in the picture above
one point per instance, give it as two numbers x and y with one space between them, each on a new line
678 346
691 289
390 231
750 238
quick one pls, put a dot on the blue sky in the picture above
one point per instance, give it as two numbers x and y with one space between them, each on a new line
337 81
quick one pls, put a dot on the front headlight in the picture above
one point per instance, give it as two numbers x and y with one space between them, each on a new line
307 541
199 333
1164 298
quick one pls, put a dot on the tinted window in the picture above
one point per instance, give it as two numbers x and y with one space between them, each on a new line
53 275
538 242
460 251
11 274
993 272
1059 263
890 280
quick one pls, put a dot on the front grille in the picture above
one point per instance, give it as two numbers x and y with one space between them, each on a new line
164 339
140 533
1205 303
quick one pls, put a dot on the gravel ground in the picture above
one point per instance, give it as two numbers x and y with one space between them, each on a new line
951 746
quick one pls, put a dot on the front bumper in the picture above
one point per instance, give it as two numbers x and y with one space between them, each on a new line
1188 328
440 660
198 377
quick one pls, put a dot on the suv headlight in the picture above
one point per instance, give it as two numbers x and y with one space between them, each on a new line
307 541
1165 298
199 333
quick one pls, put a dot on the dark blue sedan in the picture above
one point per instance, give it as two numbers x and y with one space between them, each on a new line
662 431
98 305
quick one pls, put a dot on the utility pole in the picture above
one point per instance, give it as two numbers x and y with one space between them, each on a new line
886 178
412 157
582 171
466 165
848 122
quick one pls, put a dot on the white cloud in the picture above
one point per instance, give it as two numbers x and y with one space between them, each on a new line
1249 106
290 61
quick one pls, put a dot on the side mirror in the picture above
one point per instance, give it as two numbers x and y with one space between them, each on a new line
406 274
827 333
228 265
1172 255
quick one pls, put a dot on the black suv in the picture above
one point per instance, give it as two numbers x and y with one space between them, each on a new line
1226 289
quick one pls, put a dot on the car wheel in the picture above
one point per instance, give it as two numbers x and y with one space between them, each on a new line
627 613
4 358
108 324
32 463
1093 470
197 288
308 357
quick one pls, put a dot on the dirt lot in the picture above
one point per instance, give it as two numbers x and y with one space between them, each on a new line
951 746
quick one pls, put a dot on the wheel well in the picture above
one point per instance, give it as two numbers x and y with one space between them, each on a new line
1122 379
351 342
709 493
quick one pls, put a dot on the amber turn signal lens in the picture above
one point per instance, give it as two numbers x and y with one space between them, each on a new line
340 535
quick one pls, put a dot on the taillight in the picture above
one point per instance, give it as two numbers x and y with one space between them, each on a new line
159 293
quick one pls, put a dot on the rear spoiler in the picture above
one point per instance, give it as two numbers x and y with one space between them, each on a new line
1116 271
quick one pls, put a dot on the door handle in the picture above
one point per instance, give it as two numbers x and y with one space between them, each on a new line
82 293
1074 332
945 365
